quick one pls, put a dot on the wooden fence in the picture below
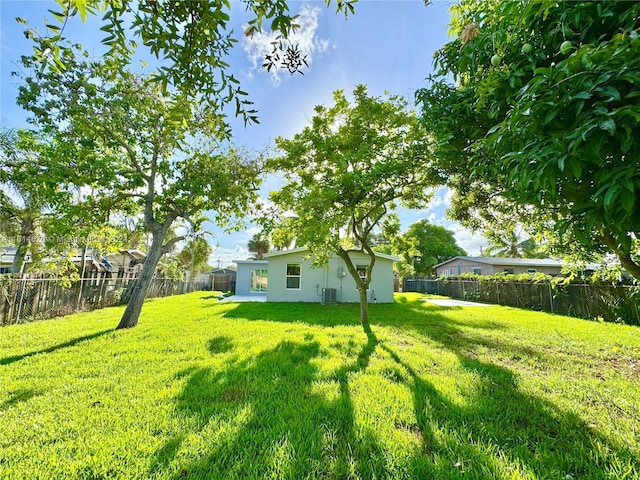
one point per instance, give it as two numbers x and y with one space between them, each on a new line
25 299
224 282
612 303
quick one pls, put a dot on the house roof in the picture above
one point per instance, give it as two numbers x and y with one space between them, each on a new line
253 262
393 258
513 262
6 255
133 252
223 271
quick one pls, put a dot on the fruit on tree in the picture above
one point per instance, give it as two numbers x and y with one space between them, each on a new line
527 48
565 47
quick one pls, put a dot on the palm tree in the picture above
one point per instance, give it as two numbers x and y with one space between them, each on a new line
511 244
258 245
197 251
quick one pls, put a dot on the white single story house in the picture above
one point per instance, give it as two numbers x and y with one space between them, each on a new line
251 277
288 276
492 265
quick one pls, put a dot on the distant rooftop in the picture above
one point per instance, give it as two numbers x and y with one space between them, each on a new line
515 262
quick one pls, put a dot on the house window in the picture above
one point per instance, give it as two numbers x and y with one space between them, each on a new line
362 271
259 280
293 276
531 270
477 271
509 270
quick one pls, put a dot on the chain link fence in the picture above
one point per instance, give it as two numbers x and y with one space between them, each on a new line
611 303
26 299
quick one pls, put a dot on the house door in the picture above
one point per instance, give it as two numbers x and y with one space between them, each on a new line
258 281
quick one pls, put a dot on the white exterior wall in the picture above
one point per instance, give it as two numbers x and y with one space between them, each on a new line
243 274
313 280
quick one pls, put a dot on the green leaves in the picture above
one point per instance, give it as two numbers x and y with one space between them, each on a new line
191 39
345 171
551 131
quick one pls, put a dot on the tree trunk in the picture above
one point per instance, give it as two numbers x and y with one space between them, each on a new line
141 285
364 308
629 265
83 272
26 231
360 285
624 256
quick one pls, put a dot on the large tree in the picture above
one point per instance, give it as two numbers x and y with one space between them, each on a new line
189 39
430 245
542 118
130 141
344 173
26 194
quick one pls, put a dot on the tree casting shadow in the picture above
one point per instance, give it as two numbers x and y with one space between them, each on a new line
263 417
60 346
499 416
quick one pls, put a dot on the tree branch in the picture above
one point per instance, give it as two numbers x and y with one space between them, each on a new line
167 247
625 258
130 152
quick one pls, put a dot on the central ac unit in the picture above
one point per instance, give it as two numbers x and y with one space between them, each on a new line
328 295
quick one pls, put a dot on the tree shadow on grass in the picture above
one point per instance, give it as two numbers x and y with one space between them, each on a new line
297 312
500 420
60 346
404 314
269 416
20 395
497 429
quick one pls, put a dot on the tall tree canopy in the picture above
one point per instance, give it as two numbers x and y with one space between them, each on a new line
543 118
28 197
430 245
130 142
258 245
191 39
344 173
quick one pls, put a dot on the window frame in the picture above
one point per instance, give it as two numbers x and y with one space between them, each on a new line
288 276
362 271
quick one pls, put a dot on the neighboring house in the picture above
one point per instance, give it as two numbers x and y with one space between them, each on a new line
6 259
118 264
288 276
492 265
124 262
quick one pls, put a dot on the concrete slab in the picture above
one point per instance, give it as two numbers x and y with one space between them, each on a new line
244 298
449 302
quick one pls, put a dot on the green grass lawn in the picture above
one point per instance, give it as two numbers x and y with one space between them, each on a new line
294 391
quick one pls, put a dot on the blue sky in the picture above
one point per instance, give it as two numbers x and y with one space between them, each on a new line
387 45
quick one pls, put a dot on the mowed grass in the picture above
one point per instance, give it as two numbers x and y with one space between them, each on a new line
202 390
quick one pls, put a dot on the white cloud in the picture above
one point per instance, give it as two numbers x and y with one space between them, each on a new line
260 44
251 231
441 197
225 256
